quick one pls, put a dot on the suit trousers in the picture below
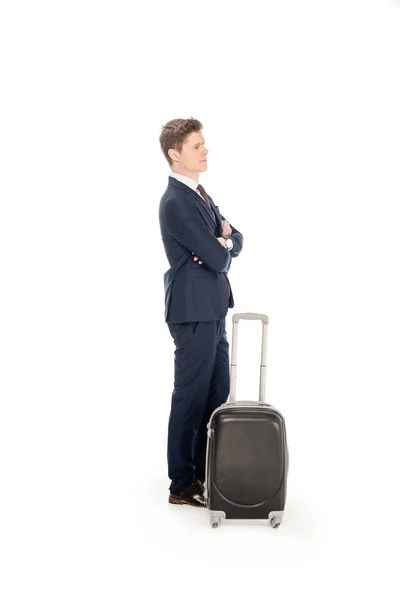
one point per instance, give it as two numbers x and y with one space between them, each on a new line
201 384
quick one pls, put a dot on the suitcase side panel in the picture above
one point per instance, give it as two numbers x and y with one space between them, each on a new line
247 462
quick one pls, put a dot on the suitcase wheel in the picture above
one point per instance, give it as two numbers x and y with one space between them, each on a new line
275 522
215 522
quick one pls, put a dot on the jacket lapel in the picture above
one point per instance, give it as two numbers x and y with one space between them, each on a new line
214 214
203 204
218 217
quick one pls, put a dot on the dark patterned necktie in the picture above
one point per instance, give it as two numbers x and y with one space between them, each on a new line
204 195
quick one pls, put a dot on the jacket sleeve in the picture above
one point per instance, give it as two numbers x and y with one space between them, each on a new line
188 228
237 240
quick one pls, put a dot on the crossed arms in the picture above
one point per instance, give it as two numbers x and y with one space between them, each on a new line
189 229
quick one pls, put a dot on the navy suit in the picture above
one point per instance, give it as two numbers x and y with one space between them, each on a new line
197 298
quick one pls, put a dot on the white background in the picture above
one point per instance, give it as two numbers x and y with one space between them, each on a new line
300 106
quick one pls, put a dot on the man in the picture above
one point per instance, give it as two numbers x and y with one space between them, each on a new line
199 244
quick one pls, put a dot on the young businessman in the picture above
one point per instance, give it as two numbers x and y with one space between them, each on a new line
199 244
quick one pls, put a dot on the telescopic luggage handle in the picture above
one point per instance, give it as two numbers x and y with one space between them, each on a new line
263 366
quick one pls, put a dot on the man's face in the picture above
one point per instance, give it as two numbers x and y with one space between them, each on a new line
192 160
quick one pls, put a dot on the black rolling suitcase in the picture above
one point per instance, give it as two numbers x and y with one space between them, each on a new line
247 455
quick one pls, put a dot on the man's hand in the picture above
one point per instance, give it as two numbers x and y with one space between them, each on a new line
226 229
197 258
221 240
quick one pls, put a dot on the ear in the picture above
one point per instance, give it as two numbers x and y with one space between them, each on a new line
173 154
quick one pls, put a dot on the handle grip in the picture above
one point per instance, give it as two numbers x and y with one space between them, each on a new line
263 366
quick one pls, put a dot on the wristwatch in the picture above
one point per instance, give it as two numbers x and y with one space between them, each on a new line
229 243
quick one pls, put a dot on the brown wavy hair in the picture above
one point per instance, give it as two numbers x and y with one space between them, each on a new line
174 133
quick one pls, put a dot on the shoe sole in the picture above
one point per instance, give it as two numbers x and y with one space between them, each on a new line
173 500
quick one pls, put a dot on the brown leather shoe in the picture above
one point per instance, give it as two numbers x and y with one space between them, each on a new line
192 495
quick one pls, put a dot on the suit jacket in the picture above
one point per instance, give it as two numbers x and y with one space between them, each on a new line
195 292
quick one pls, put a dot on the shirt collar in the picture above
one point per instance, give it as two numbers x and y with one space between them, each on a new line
192 183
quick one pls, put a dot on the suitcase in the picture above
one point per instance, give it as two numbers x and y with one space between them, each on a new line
247 455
